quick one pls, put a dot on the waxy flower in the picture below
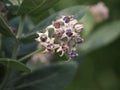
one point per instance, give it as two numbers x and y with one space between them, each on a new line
63 48
50 46
73 52
66 31
43 38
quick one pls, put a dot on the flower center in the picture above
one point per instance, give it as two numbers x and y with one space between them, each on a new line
73 53
59 32
65 47
79 40
66 19
50 47
43 38
69 33
56 25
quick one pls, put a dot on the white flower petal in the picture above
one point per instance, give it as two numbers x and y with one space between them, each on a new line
45 44
62 53
37 39
52 40
46 33
73 22
79 27
50 27
59 49
39 34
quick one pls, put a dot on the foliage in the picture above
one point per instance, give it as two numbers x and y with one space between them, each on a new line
98 61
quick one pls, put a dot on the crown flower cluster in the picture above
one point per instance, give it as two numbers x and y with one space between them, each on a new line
65 37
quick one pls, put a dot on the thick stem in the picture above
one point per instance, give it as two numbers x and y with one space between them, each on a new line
21 25
29 55
15 50
19 33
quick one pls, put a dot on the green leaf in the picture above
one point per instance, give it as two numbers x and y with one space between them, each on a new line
14 64
36 8
89 22
4 28
101 37
77 11
50 77
16 2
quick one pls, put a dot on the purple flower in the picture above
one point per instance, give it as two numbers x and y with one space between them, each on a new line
66 19
78 39
64 47
69 33
57 25
50 47
73 53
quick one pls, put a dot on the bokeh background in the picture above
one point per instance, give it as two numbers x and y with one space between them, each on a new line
99 69
99 55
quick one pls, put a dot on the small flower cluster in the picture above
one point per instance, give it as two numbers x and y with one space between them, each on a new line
65 36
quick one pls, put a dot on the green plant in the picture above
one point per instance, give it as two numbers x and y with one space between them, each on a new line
17 44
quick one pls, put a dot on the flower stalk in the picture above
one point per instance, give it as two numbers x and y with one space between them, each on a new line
29 55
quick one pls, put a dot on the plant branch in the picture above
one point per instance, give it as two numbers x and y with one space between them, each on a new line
21 25
29 55
15 50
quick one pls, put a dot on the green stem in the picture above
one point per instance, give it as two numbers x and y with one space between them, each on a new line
29 55
21 25
15 50
14 53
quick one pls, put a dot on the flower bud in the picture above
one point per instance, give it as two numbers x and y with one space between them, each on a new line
78 27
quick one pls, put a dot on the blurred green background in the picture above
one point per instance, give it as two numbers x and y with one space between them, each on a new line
99 63
100 69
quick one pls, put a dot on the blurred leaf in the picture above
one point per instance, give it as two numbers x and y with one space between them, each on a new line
36 8
77 11
4 28
49 77
11 7
16 2
101 37
88 22
14 64
108 80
